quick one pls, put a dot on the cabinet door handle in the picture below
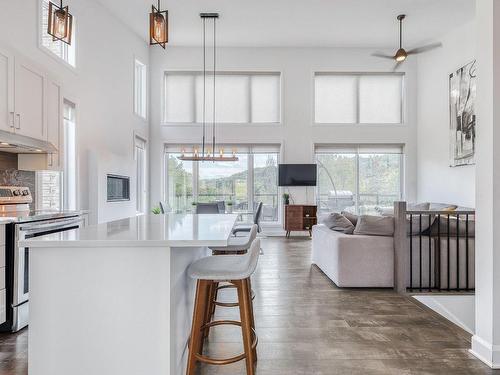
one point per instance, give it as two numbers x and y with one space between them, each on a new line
51 160
18 121
13 125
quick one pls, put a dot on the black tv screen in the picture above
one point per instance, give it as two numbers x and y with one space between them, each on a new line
297 174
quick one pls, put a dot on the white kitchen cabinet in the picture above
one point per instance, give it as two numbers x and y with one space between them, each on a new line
54 122
29 102
6 91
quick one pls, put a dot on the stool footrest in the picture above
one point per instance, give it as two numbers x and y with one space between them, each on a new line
225 361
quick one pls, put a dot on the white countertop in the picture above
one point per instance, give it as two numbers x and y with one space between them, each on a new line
170 230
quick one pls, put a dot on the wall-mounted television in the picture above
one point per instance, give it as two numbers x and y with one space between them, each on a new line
297 174
118 188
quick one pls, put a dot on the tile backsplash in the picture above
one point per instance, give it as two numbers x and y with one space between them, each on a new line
15 177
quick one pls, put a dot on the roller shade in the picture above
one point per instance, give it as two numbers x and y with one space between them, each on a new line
359 148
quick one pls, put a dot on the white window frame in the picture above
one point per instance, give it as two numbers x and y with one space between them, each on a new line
141 142
143 90
356 149
402 121
64 159
250 150
47 51
224 72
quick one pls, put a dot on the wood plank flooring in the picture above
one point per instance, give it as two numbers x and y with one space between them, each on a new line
306 325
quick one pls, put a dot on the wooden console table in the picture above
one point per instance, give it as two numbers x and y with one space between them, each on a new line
300 218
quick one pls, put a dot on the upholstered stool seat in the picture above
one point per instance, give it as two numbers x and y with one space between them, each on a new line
209 271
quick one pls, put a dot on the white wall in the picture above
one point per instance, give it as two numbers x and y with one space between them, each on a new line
297 134
459 309
436 180
102 86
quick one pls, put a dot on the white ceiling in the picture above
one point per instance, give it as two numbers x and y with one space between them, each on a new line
302 23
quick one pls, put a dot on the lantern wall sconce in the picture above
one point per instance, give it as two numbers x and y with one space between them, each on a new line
158 26
60 23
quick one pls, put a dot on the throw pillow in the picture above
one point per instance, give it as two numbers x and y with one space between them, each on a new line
351 217
375 225
338 223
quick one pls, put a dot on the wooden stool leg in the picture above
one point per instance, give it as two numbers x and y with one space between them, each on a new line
199 313
210 305
246 325
252 318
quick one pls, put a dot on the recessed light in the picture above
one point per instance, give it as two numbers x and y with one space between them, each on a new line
37 150
4 144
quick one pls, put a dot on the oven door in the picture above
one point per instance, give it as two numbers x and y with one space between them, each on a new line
21 254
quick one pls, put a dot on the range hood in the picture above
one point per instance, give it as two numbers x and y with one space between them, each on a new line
21 144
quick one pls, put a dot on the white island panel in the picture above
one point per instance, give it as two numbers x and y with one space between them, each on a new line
102 309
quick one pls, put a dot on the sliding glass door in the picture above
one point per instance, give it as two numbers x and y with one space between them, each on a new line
359 179
241 185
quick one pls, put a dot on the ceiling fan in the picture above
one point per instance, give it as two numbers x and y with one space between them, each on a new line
402 54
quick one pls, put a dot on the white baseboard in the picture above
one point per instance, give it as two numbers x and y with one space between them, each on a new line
485 352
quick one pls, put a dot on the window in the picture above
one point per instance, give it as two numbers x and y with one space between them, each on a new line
375 98
60 49
360 179
252 179
241 97
141 182
69 176
140 89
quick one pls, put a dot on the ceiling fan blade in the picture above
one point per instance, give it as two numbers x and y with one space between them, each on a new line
398 64
426 48
383 55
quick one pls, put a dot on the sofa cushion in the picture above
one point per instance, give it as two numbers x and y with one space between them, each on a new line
338 222
351 217
375 225
441 226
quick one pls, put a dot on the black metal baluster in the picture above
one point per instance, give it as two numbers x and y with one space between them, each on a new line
430 256
467 252
448 253
438 258
411 251
420 250
458 252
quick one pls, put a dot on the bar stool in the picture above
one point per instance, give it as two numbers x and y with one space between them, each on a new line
236 245
237 270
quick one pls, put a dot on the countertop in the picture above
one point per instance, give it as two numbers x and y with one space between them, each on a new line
28 216
170 230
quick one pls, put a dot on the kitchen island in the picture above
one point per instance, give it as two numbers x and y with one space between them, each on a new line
115 298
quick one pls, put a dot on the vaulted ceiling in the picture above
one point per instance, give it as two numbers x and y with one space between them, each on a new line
301 23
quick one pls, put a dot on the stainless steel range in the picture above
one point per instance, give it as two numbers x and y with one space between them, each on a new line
21 223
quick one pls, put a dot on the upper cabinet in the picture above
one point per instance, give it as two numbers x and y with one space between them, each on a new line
29 103
6 91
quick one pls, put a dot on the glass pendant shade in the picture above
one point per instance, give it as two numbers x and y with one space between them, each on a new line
60 23
158 26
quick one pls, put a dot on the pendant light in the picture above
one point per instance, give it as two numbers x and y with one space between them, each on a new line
209 154
60 23
158 26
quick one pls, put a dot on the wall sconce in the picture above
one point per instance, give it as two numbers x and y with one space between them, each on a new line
158 26
60 24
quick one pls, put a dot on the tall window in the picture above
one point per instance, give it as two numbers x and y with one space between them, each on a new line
241 97
141 182
360 179
60 49
140 89
375 98
69 182
242 184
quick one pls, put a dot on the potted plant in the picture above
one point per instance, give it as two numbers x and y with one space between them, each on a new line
229 205
286 198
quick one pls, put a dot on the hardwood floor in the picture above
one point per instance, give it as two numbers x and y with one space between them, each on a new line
306 325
